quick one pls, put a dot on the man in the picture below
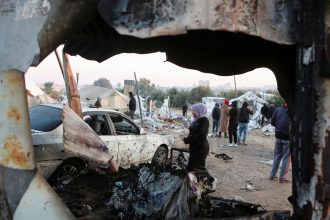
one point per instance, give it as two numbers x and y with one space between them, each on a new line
243 120
280 120
216 118
98 102
184 109
131 105
264 113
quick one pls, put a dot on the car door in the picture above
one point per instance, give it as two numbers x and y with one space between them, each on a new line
132 147
100 122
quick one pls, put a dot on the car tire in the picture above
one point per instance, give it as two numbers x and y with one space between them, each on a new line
66 172
160 157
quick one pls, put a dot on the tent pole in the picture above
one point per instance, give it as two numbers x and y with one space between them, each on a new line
138 95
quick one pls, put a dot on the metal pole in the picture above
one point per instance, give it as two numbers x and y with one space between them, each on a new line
59 62
24 194
235 85
138 95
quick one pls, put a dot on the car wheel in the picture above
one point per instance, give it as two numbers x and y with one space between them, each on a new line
66 172
160 157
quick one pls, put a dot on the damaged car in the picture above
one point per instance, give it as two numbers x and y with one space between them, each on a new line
126 141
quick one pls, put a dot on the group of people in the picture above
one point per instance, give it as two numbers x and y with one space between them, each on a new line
229 120
198 132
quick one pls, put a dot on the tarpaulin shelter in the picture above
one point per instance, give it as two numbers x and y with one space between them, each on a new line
35 95
110 98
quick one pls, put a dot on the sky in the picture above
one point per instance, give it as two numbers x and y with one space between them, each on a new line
151 66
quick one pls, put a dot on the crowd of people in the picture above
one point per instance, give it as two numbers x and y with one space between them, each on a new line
231 118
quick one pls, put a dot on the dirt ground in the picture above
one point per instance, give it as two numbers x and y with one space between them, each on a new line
244 169
243 178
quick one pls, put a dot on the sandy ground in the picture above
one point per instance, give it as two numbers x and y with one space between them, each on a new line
88 193
245 169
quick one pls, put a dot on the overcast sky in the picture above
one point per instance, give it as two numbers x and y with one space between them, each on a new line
150 66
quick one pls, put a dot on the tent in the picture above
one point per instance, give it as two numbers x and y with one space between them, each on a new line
35 95
256 102
110 98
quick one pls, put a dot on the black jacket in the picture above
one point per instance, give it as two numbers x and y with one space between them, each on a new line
244 115
197 137
233 116
216 113
132 104
281 122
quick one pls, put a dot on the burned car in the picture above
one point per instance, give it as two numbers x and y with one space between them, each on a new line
126 141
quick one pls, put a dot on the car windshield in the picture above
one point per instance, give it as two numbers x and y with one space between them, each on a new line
45 118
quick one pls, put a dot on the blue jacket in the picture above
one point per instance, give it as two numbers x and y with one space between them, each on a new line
281 122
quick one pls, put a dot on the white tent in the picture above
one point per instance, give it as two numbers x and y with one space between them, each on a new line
257 103
35 95
110 98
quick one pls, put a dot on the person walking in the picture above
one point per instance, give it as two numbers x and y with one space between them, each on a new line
131 105
243 120
184 109
216 118
264 113
224 118
197 140
280 120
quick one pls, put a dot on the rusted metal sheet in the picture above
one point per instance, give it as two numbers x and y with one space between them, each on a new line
15 138
80 139
267 19
71 87
17 165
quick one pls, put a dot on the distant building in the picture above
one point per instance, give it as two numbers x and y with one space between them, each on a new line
129 86
204 83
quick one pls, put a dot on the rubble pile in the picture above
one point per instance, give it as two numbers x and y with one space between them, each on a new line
145 192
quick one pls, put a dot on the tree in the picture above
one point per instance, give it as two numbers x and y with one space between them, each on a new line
230 94
48 87
103 82
276 100
146 87
197 93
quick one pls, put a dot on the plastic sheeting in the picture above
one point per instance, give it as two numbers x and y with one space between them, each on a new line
148 196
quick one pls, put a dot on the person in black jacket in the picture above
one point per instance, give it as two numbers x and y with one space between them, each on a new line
131 105
264 113
233 123
197 140
243 120
281 122
216 118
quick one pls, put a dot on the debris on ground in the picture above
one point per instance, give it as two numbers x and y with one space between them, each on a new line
268 130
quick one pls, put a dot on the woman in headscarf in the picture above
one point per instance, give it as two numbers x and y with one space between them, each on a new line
197 140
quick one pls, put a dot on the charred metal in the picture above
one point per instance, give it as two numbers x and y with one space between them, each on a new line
289 37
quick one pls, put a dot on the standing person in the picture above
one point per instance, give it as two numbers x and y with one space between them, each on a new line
184 109
233 123
98 104
271 110
197 140
216 118
131 105
281 122
224 119
264 113
243 120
